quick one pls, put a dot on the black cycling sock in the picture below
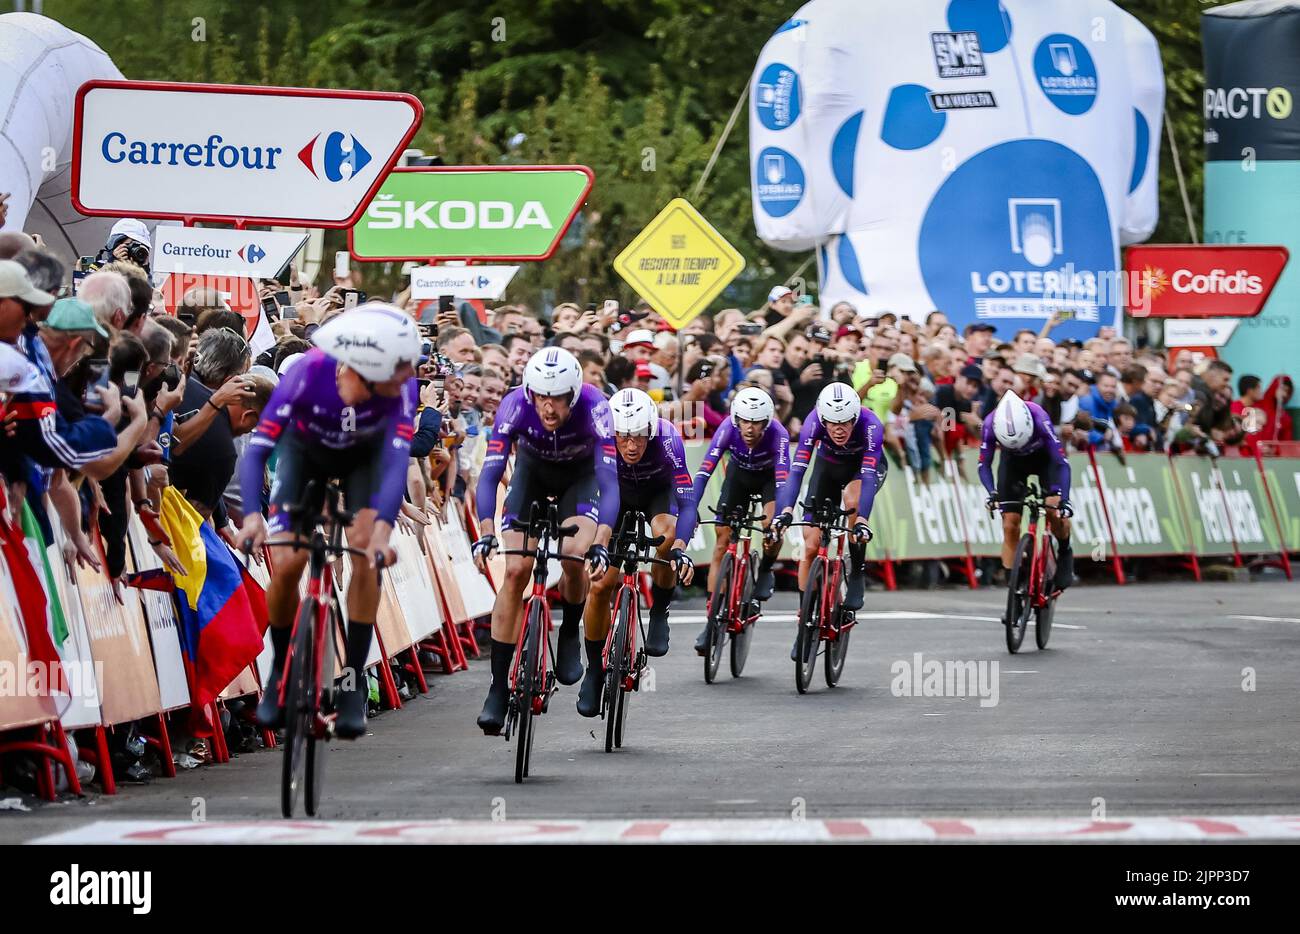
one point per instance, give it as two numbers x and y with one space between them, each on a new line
660 597
358 647
280 636
595 654
858 556
766 563
503 655
571 616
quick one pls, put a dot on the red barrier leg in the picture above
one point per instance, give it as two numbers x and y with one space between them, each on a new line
163 743
467 641
387 684
891 583
105 762
220 752
1277 522
438 646
412 664
60 737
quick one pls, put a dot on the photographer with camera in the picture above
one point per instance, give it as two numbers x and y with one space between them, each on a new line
128 242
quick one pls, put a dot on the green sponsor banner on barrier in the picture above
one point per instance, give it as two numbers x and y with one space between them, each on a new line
1283 474
1221 504
1143 505
936 519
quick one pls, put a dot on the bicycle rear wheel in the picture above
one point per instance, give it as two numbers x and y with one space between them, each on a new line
717 620
615 699
837 649
531 683
1020 603
740 640
299 711
323 678
810 624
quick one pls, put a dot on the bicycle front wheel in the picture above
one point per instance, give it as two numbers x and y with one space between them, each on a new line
299 708
740 640
615 698
1020 601
531 685
719 616
810 624
323 678
1043 615
837 649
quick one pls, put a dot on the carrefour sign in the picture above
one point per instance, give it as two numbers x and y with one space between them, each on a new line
232 153
503 213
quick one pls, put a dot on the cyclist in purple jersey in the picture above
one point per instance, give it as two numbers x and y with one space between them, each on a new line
346 411
847 440
559 429
759 449
1029 445
653 479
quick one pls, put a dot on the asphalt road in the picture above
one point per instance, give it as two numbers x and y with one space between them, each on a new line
1138 706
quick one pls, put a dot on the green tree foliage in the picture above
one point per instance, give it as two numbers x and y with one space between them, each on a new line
639 90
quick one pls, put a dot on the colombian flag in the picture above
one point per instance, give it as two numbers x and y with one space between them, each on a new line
219 629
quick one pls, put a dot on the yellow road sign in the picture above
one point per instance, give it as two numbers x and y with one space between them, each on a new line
679 263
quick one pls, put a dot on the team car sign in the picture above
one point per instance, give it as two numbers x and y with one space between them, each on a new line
231 153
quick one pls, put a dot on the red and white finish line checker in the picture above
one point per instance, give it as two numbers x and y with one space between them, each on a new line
768 830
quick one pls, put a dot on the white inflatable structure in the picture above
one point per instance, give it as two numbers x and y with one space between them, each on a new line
983 158
42 63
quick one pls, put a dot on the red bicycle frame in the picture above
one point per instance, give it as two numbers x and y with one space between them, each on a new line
739 561
317 586
1038 595
628 590
830 586
538 595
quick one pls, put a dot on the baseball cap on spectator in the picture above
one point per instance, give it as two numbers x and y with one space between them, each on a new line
779 292
1029 365
818 332
848 329
1086 376
15 283
642 336
289 361
972 373
17 373
265 372
72 314
881 316
903 362
132 228
979 326
643 370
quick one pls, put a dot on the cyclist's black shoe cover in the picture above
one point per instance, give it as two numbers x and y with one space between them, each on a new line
493 717
656 640
794 650
568 653
766 584
270 715
702 640
855 593
589 692
1064 568
351 721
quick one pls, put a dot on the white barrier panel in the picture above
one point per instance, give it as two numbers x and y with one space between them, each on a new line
409 585
160 613
18 706
83 710
119 640
475 591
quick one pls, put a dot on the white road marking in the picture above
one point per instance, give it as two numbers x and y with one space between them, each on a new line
1013 671
746 830
1268 619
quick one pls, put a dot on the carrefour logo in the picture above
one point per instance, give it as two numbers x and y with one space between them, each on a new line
1066 73
780 181
252 253
1239 103
329 155
776 97
214 153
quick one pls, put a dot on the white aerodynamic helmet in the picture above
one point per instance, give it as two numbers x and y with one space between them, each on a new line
1013 423
752 404
635 413
838 403
553 371
374 339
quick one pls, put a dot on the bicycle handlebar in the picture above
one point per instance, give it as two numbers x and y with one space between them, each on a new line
535 529
525 553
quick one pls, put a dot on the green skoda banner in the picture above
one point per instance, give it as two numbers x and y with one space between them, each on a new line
1154 509
512 213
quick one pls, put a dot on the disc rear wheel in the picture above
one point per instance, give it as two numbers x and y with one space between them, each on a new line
718 619
809 632
297 704
837 649
1020 604
531 685
740 640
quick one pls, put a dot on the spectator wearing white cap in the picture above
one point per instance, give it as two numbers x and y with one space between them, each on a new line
128 242
19 298
780 302
640 345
